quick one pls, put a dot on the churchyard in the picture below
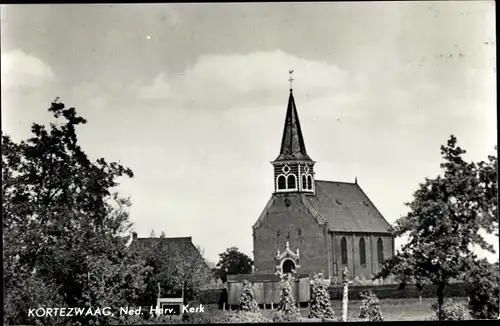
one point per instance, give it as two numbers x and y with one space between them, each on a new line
392 309
321 308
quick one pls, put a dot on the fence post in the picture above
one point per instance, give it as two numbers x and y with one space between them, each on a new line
345 296
223 306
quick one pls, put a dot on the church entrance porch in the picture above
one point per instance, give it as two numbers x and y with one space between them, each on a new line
288 266
287 260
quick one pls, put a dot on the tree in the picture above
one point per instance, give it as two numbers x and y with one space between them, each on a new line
320 303
370 307
62 217
488 178
247 299
232 261
177 267
287 310
483 287
443 223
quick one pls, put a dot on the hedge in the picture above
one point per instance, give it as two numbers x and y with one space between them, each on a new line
392 291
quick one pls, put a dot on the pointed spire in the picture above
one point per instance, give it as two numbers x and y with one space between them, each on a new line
292 142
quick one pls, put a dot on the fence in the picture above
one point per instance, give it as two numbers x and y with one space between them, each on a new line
390 291
393 291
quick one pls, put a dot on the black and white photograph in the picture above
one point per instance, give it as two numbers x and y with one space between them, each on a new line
249 162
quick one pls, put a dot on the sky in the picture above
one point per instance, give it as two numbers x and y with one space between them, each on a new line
192 97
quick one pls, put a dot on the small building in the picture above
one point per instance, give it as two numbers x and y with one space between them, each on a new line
311 225
174 251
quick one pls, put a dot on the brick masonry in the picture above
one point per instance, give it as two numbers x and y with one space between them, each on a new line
319 248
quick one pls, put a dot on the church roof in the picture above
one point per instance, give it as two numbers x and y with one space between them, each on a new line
292 143
343 206
346 207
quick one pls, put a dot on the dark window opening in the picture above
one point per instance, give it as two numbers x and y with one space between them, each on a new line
343 251
291 182
304 182
309 182
380 251
281 182
362 252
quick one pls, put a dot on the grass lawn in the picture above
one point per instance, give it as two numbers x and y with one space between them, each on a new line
392 309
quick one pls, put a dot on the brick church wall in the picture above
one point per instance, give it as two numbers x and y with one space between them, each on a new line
313 250
363 273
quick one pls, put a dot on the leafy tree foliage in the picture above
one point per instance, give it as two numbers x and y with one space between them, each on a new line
451 310
443 223
232 261
62 219
287 309
247 300
488 178
320 303
178 268
483 287
370 307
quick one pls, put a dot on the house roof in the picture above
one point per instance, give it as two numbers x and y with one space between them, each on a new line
292 142
170 242
183 245
344 207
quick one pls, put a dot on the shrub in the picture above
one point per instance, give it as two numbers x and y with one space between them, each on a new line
370 307
282 317
482 284
452 310
209 317
287 310
320 305
242 317
247 300
213 296
144 320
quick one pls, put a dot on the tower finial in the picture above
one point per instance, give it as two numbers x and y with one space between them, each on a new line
290 79
356 180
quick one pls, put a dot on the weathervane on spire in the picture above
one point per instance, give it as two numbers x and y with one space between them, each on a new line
290 79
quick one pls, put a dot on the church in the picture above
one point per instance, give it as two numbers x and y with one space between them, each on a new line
311 225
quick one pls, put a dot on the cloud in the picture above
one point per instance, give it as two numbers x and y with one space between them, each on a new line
20 70
159 89
228 80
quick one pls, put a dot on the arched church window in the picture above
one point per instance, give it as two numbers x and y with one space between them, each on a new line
291 182
281 182
380 251
309 182
304 182
362 252
343 251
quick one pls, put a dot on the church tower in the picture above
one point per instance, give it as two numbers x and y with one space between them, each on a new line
293 168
